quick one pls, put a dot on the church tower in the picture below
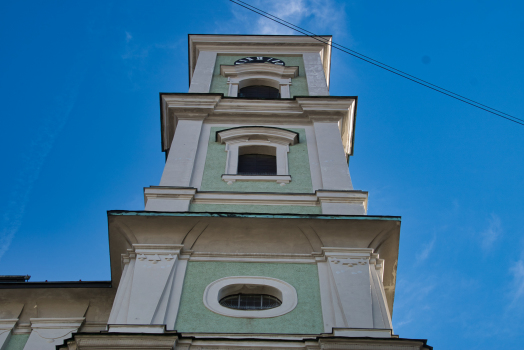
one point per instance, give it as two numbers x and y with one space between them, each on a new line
257 100
255 237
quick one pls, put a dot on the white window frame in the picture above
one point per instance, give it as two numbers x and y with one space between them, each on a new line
242 75
236 138
215 291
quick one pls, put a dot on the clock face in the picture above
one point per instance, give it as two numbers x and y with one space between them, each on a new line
260 59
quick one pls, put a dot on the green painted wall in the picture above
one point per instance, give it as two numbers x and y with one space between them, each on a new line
265 209
298 85
306 318
17 341
298 162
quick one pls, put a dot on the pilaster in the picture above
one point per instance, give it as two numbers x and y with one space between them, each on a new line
151 286
181 160
333 164
316 79
47 333
203 74
352 294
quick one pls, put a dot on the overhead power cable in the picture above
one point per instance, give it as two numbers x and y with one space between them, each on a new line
378 63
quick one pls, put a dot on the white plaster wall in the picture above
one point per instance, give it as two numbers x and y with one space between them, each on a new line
314 164
335 208
201 155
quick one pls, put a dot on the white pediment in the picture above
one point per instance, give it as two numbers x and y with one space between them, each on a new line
257 133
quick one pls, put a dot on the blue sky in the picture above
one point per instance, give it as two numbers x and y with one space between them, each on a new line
80 135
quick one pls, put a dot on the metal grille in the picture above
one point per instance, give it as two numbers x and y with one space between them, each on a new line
259 91
257 164
250 302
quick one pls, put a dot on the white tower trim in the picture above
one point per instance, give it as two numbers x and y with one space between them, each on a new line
261 140
239 76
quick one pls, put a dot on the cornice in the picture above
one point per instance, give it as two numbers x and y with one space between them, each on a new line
216 108
241 106
284 136
113 340
8 323
255 198
190 103
241 198
340 338
255 257
326 106
56 323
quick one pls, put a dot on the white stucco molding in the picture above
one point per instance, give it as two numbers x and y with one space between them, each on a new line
334 109
269 134
239 76
343 202
150 288
203 76
121 341
270 70
358 273
281 179
266 140
220 288
136 328
317 83
256 257
165 198
48 332
183 106
157 249
7 324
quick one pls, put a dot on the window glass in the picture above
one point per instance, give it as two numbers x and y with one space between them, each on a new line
250 302
257 164
259 91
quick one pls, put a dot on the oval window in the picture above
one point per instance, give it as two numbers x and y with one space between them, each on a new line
250 302
250 297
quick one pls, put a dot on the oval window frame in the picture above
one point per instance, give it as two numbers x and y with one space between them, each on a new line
214 291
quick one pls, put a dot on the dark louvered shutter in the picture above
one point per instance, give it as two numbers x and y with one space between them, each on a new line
259 91
257 164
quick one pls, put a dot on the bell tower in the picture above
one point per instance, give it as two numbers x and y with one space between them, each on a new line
255 236
257 132
254 239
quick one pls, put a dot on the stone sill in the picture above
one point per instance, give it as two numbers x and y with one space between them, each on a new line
281 179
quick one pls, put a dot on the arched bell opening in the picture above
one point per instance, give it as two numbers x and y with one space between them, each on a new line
259 88
257 160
